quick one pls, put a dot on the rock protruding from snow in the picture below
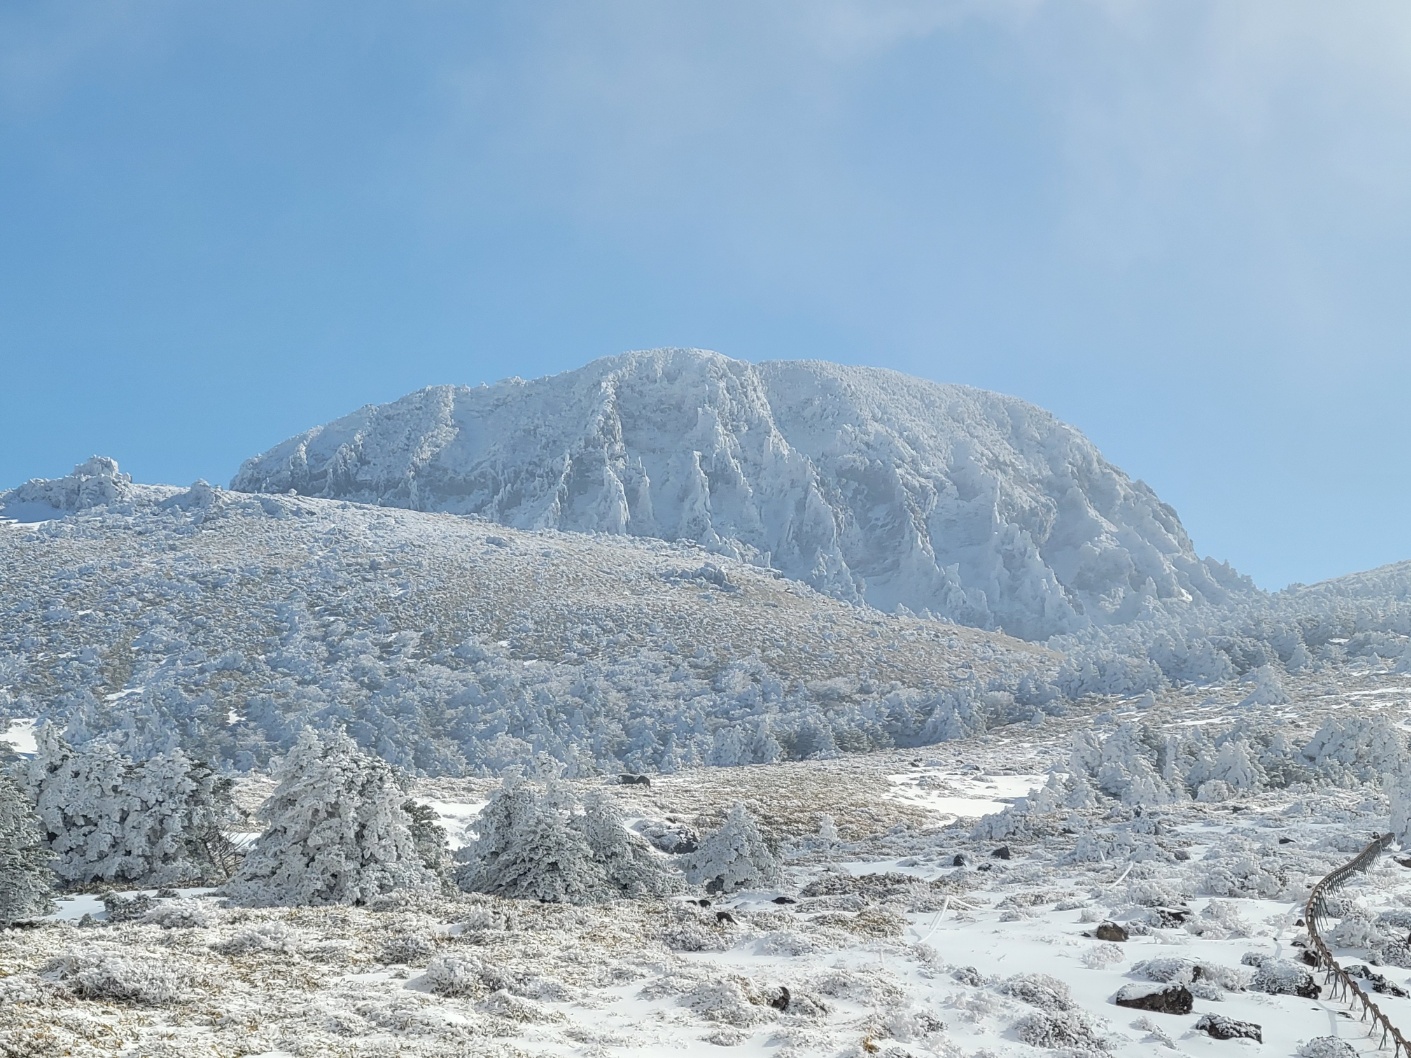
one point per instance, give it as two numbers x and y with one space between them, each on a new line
1160 999
866 484
96 482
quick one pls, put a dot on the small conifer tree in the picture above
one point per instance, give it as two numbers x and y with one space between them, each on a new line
734 857
337 833
26 880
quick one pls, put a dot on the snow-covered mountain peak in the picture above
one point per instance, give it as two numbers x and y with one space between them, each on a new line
865 483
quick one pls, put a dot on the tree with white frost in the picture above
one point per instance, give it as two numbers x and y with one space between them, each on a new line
734 857
629 864
527 847
337 833
108 818
26 879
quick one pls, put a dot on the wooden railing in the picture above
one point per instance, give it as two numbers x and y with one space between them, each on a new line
1341 984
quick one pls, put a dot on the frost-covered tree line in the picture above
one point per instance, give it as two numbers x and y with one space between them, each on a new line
224 625
1145 767
1359 622
339 828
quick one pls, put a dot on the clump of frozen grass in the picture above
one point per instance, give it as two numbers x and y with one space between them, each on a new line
179 914
1041 990
272 936
725 1001
1155 1033
456 975
1221 918
126 908
408 948
136 979
1101 956
1060 1028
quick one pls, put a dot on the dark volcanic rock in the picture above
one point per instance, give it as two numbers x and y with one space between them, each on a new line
1111 931
1163 999
1376 982
1002 853
1219 1027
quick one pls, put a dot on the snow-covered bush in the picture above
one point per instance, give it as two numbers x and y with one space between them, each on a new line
408 948
26 879
630 867
736 856
1326 1047
138 979
1060 1028
1278 977
337 833
1041 990
178 914
273 936
456 975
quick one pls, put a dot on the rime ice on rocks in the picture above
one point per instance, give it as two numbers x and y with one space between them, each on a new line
996 514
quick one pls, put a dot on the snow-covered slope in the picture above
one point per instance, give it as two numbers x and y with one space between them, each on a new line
864 483
225 622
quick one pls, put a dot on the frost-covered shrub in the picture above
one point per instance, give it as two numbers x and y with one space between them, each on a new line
629 865
178 914
138 979
1280 978
456 975
26 879
121 908
272 936
1189 972
1041 990
1061 1028
529 848
337 834
688 931
736 856
726 1001
1245 875
410 948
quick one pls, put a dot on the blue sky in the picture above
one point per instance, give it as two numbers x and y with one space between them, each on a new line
1182 227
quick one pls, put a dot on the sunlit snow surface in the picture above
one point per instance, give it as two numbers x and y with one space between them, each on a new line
20 735
961 796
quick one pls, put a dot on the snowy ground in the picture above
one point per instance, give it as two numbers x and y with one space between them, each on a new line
885 945
20 735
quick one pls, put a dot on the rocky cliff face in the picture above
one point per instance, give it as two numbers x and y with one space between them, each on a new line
867 484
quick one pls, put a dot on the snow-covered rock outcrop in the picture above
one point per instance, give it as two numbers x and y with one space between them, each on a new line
96 482
867 484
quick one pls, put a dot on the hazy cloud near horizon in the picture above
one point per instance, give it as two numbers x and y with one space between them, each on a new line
1181 227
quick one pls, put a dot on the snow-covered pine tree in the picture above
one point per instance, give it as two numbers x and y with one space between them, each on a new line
734 857
108 818
629 864
337 833
429 837
528 848
26 879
